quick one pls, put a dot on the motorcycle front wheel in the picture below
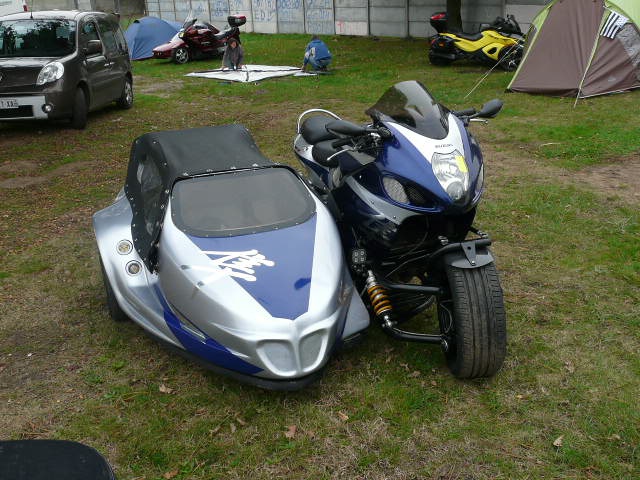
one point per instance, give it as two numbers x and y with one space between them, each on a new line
473 319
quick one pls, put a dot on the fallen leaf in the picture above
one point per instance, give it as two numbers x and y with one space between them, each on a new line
233 427
291 431
519 397
434 383
215 430
558 441
241 421
615 438
343 416
170 474
164 389
569 366
414 374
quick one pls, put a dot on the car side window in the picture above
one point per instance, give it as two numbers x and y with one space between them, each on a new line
120 41
88 31
108 37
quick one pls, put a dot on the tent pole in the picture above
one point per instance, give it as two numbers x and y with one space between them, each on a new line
593 53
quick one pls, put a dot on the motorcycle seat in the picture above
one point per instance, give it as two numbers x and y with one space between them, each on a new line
322 151
469 36
314 129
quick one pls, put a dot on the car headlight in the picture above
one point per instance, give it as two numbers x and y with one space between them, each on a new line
451 171
395 190
50 73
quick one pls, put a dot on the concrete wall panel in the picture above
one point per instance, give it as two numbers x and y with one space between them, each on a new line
397 18
352 28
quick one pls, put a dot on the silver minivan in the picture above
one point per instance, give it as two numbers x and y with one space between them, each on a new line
61 65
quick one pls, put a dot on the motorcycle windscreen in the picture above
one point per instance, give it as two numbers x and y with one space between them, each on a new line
240 203
410 104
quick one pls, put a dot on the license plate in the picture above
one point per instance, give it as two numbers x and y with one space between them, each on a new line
8 103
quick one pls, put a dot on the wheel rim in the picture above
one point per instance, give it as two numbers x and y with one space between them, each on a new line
182 56
128 93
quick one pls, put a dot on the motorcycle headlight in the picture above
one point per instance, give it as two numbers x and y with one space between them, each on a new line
451 171
395 190
50 73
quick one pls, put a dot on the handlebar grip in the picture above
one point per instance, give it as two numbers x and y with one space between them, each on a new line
340 142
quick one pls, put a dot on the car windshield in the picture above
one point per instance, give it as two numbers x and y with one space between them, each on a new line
37 38
410 104
240 203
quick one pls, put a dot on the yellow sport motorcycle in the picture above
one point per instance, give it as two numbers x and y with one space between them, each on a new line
500 43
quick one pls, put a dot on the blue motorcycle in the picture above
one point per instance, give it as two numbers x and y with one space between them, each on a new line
404 190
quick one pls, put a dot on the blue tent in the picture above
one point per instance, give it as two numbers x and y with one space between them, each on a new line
146 33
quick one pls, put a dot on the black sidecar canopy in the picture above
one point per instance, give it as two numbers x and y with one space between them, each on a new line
159 159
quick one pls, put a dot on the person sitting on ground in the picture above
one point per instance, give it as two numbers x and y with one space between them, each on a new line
317 54
233 57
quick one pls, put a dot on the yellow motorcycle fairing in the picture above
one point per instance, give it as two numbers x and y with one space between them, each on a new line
491 43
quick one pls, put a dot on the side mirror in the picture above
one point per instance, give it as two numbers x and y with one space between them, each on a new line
490 109
93 47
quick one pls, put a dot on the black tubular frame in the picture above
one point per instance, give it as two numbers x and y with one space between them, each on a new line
430 259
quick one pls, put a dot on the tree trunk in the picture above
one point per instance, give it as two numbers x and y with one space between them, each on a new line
454 17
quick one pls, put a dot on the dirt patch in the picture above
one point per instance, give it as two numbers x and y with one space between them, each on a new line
21 182
620 177
15 167
162 89
30 167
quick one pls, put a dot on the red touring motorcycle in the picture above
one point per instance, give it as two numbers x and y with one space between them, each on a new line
199 40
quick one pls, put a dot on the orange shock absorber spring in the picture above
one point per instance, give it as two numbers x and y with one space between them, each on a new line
378 295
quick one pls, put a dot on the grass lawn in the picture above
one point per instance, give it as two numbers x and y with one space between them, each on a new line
562 201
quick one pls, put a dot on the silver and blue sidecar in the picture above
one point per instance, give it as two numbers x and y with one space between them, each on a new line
227 257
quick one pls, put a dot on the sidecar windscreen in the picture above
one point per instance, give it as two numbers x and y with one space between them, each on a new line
410 104
240 203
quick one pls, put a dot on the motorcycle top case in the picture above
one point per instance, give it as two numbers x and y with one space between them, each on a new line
236 20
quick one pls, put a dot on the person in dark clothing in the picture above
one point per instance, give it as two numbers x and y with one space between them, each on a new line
233 55
317 54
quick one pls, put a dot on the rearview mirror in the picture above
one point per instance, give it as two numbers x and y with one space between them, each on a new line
490 109
93 47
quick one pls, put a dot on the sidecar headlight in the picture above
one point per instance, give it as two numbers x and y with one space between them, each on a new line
50 73
451 171
395 190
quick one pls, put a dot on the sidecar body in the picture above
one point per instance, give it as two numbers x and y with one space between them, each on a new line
227 257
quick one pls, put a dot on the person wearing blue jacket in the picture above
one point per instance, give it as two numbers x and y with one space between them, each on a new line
317 54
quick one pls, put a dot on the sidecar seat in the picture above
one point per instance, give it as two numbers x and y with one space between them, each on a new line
314 129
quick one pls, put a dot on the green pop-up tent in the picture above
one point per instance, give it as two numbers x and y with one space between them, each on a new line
582 48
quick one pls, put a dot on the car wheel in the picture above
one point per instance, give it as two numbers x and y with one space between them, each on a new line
79 110
472 319
180 55
126 98
115 312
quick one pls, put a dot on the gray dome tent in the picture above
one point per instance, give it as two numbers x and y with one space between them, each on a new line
582 48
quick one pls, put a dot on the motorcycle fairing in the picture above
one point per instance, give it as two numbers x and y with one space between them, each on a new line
491 43
409 157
